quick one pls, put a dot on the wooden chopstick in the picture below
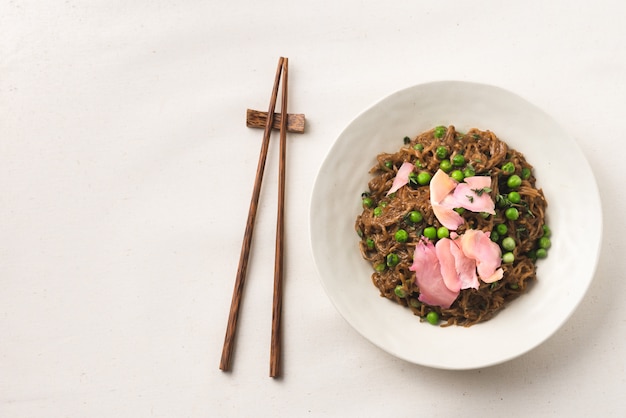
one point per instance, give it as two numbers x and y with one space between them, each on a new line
275 346
229 339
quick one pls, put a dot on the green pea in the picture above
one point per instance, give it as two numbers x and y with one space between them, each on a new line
512 214
442 232
545 243
380 267
441 152
423 178
415 216
508 244
367 202
440 131
445 166
514 197
370 243
494 236
432 317
430 232
458 160
484 215
526 173
514 286
502 201
508 258
415 303
399 291
457 175
418 147
383 204
514 181
401 235
546 231
460 211
378 211
392 259
389 164
508 168
469 172
502 229
541 253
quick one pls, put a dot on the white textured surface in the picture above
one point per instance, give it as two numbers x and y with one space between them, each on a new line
126 176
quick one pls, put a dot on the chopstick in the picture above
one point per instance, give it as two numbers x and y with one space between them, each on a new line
275 346
229 339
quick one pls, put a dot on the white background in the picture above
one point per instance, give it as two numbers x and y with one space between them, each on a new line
126 170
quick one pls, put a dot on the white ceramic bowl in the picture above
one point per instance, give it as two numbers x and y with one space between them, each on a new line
574 215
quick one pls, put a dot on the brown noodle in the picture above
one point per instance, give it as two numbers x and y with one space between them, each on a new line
485 154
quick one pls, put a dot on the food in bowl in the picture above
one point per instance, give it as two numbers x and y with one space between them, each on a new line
453 225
